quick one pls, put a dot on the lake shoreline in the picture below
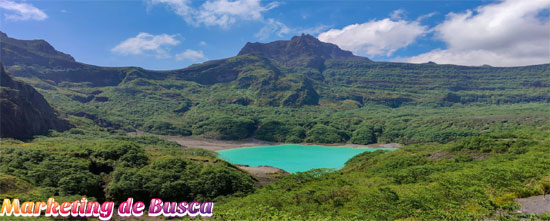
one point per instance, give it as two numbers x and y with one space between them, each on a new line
263 174
215 145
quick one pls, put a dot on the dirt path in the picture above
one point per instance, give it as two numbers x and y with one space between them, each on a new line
213 144
535 205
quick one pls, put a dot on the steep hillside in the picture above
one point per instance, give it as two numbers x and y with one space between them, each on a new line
476 178
36 52
37 58
297 72
24 111
302 89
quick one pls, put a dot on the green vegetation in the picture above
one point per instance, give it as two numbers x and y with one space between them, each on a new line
477 137
471 178
299 84
468 179
366 134
114 167
276 131
325 134
225 128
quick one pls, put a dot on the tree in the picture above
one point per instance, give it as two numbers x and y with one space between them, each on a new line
325 134
226 128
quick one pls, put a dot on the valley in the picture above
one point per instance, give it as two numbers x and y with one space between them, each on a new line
471 139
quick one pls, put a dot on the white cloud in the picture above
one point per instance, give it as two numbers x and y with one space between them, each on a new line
222 13
202 43
376 37
272 26
397 14
22 11
476 58
507 33
145 43
426 16
190 55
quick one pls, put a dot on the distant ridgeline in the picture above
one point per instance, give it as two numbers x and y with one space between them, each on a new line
298 72
302 72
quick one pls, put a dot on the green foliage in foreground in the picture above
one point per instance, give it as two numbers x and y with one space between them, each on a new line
114 167
468 179
476 177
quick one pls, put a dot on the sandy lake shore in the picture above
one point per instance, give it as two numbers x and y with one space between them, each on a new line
214 145
263 174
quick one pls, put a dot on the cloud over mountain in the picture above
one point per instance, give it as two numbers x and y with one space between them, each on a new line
376 37
145 43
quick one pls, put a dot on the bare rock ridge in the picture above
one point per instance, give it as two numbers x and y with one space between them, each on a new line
37 58
25 112
299 50
39 52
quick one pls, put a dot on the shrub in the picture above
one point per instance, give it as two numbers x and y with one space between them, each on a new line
226 128
325 134
273 131
364 135
176 178
277 131
486 144
165 128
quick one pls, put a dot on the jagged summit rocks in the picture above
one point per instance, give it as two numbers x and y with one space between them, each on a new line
299 50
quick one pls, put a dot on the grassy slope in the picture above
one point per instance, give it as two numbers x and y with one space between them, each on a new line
262 90
113 166
470 179
503 112
153 106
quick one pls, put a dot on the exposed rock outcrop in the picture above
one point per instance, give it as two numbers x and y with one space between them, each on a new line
304 50
24 112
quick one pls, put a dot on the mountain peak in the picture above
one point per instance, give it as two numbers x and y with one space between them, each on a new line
298 50
39 52
306 38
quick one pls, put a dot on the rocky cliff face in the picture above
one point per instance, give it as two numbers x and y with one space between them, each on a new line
23 111
37 58
300 50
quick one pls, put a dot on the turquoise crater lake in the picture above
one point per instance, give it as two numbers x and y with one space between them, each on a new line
293 157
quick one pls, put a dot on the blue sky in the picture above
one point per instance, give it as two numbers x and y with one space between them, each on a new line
171 34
